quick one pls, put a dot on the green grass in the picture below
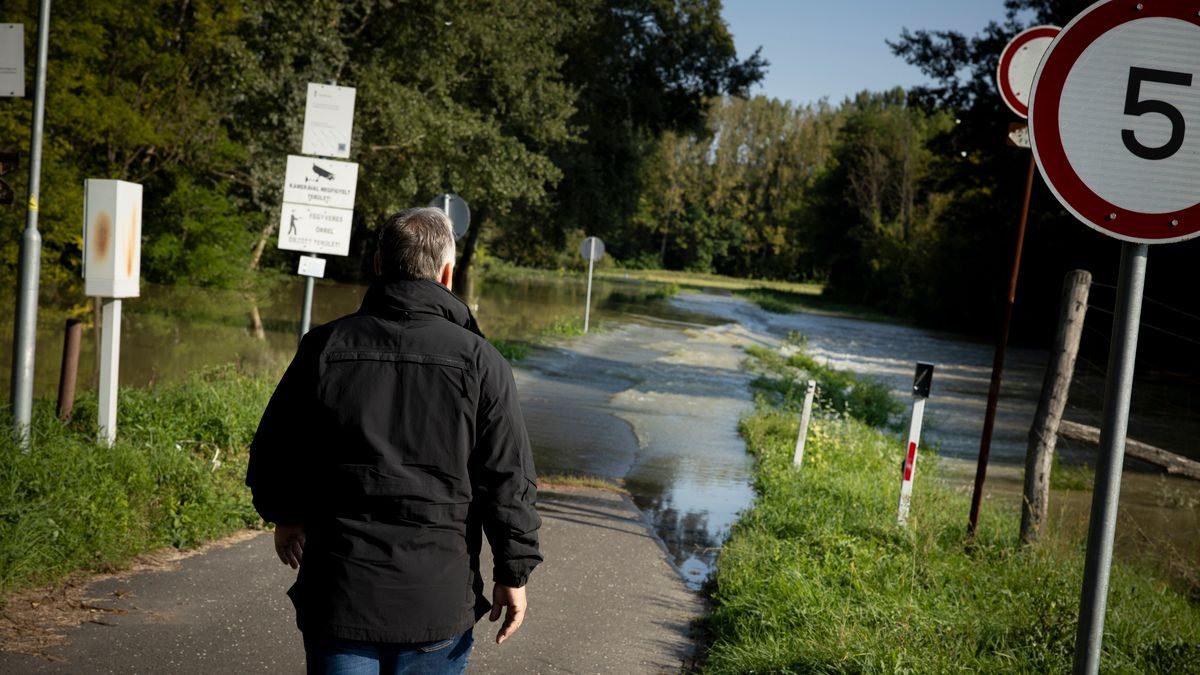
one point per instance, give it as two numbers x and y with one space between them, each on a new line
563 327
558 480
817 577
71 505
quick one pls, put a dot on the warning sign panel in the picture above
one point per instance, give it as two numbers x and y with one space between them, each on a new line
315 229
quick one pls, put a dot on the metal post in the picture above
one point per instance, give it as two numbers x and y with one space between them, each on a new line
110 366
25 338
587 309
805 417
306 308
1118 390
989 417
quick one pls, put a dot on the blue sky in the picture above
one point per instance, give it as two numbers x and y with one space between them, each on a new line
836 48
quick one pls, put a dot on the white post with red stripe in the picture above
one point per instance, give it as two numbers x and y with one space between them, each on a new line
805 416
921 382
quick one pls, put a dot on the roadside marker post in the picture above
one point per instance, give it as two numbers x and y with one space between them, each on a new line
805 417
592 249
1109 117
922 380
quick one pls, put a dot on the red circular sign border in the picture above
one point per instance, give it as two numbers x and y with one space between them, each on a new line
1010 51
1092 209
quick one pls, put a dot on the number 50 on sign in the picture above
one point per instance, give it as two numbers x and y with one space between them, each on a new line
1115 119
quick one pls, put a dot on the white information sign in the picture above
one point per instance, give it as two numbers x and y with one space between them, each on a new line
320 182
328 120
12 60
311 266
315 229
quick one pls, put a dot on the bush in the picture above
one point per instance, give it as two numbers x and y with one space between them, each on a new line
173 478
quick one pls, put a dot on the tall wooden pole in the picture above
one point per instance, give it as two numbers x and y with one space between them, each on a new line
1043 435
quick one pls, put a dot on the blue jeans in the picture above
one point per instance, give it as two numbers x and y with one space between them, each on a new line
348 657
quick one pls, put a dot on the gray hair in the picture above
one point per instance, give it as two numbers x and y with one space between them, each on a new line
415 244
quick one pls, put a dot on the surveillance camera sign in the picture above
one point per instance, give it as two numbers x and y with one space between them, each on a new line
320 182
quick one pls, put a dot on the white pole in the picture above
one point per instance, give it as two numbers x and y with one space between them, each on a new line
922 381
587 308
110 365
910 459
805 416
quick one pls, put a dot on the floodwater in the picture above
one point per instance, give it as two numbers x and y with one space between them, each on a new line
652 399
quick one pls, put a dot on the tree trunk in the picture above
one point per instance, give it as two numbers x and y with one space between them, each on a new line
1176 465
1043 435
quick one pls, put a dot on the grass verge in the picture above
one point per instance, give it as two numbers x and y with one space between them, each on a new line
173 478
817 577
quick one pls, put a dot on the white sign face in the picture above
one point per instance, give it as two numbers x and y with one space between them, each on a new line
112 238
311 266
315 229
12 60
320 182
328 120
1115 115
1018 66
1091 95
592 249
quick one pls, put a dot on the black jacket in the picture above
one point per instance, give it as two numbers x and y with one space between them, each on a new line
394 436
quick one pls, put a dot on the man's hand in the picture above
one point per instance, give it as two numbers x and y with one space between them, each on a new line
512 598
289 544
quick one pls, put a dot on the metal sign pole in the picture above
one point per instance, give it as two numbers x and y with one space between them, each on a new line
587 308
110 366
989 417
25 337
306 307
1118 391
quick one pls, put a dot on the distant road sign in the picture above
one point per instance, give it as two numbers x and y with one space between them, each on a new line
456 209
1115 119
1018 65
592 249
320 182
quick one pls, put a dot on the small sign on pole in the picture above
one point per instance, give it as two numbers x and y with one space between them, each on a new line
920 391
328 120
12 60
805 417
592 249
456 209
311 266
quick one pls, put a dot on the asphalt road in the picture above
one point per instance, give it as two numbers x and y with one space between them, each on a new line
605 601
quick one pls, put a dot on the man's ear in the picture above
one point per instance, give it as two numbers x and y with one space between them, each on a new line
378 265
447 277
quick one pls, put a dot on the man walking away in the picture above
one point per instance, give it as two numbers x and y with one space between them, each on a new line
392 443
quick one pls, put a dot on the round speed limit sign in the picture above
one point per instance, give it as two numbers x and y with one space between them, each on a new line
1115 119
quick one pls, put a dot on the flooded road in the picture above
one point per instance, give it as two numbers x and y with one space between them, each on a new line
653 398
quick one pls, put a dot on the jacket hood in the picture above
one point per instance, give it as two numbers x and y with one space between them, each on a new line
401 298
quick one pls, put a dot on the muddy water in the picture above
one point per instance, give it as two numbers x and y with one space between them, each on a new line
1159 517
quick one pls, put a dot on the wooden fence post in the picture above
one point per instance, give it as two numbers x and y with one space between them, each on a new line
1043 435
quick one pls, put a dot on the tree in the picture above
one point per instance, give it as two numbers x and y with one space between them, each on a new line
642 68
